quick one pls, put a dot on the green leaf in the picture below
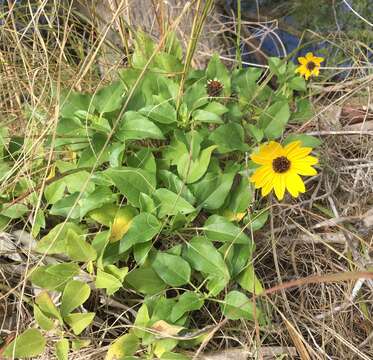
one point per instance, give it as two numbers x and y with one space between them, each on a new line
238 306
192 170
221 189
29 343
143 228
79 344
135 126
47 306
256 132
54 191
145 280
78 182
71 102
143 159
216 108
249 281
274 119
62 349
172 269
163 113
144 48
142 321
277 66
79 321
75 294
306 140
174 356
122 347
257 220
14 211
141 252
131 182
203 257
55 242
297 83
241 197
109 98
188 301
229 137
66 207
147 204
104 215
206 117
176 185
111 279
237 256
100 196
78 249
170 203
43 321
218 228
54 277
304 111
195 96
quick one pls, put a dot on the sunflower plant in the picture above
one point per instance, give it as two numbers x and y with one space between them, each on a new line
152 199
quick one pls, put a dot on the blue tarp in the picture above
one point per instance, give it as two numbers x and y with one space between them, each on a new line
346 18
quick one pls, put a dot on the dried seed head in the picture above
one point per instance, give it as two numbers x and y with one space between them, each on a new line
214 88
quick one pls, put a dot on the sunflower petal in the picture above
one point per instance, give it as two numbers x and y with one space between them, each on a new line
260 175
302 60
308 160
279 185
267 153
291 147
304 170
294 184
309 56
266 189
298 153
318 60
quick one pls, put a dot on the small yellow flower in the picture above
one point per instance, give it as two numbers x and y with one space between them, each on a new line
310 65
281 166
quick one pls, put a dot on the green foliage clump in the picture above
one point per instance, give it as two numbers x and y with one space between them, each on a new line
150 192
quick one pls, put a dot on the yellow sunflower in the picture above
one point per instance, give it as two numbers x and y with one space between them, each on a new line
281 166
310 65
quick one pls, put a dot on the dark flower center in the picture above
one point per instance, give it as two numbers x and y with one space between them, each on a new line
311 65
281 164
214 88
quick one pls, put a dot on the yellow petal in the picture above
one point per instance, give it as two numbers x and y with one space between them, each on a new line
289 148
298 153
294 184
267 188
301 69
267 153
307 74
308 160
316 71
304 170
309 56
302 60
261 174
279 185
318 60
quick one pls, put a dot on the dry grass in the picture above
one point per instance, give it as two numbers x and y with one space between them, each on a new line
319 321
